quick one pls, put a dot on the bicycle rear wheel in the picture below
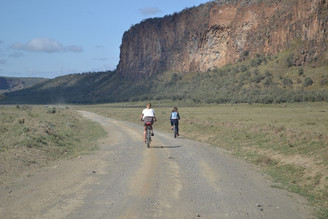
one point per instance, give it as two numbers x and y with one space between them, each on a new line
148 137
174 131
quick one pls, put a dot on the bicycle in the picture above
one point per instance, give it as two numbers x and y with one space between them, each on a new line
148 133
175 130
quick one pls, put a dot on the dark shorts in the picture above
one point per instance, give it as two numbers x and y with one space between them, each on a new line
174 121
148 119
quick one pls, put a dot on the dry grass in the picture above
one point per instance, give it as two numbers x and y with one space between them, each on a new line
32 136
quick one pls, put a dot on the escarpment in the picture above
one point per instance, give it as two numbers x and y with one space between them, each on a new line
221 32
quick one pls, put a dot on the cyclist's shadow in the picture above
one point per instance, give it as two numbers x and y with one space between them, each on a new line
166 146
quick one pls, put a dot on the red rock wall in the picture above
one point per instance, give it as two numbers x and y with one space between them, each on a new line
214 34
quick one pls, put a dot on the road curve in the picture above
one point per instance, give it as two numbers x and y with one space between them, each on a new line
176 178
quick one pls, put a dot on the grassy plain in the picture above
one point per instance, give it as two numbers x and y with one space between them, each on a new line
32 136
288 141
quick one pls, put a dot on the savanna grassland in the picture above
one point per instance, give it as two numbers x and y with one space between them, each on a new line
287 141
33 136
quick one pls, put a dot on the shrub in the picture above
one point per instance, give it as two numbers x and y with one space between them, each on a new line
244 55
308 82
287 81
300 71
268 73
324 81
52 110
290 60
243 68
256 62
268 81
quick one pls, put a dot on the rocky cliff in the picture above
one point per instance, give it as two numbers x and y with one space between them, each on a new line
220 32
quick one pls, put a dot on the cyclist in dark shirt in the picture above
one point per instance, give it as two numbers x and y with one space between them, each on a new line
174 118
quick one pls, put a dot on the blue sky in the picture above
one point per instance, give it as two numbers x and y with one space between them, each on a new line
50 38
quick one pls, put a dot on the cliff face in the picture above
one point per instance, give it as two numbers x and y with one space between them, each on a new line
222 32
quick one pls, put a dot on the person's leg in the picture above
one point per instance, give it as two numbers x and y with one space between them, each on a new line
177 127
145 131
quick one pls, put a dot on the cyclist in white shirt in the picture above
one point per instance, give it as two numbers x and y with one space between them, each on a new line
148 115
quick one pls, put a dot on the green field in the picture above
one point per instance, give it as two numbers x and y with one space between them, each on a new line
288 141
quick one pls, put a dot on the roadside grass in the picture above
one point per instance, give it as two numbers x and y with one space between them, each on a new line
288 141
34 135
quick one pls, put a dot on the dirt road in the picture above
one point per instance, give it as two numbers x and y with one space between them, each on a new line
177 178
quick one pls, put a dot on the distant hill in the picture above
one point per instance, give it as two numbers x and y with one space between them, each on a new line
8 84
73 88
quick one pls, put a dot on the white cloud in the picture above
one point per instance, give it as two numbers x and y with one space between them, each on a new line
40 45
148 11
45 45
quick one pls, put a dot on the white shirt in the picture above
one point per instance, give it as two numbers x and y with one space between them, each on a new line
148 112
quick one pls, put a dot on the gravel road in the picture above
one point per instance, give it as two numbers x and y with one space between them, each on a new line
176 178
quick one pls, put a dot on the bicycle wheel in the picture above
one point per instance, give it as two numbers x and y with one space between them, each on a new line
148 137
175 130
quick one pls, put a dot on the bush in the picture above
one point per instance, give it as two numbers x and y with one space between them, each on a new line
52 110
244 55
324 81
268 73
243 68
287 81
290 60
268 81
300 71
256 62
308 82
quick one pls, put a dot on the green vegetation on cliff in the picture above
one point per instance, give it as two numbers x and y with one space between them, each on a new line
259 80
